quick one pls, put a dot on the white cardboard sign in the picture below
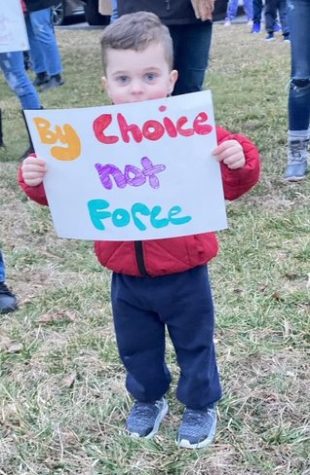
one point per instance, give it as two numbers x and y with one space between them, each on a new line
13 35
132 171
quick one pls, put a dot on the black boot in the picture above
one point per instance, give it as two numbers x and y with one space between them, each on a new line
8 302
41 78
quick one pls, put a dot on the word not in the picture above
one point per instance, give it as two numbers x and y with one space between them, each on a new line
151 129
132 175
65 134
120 217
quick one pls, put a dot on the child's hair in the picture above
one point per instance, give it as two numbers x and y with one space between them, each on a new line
136 31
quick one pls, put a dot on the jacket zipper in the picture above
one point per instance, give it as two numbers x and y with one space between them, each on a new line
140 258
168 6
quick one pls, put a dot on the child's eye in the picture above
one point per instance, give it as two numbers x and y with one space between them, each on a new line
150 77
122 79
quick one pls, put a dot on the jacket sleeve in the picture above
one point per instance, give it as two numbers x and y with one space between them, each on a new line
237 182
36 193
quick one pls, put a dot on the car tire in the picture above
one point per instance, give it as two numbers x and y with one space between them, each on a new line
92 14
59 13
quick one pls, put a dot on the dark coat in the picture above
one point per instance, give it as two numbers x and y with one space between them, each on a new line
171 12
35 5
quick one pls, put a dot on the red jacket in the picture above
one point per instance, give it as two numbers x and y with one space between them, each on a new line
167 256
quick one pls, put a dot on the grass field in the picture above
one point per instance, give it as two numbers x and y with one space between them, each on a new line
62 398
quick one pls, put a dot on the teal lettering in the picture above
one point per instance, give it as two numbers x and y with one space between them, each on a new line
176 210
120 217
158 223
142 209
97 214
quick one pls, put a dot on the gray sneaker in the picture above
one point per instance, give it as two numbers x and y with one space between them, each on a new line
145 418
197 429
297 162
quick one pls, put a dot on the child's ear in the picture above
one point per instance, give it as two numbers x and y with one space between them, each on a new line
173 79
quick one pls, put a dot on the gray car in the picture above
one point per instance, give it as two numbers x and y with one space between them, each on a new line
66 10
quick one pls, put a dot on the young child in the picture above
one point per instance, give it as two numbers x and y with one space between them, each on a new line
162 283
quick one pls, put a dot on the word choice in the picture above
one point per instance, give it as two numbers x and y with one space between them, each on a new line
120 217
151 129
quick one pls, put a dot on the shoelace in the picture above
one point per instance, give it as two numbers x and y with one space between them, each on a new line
141 409
296 152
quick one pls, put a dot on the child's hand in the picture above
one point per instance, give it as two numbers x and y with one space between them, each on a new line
33 170
231 153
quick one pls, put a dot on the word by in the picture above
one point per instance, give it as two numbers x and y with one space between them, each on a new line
132 175
120 217
151 129
65 134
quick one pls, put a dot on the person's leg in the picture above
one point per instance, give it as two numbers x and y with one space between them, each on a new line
248 8
270 17
114 15
191 53
43 30
257 15
36 53
231 12
12 66
299 93
257 11
188 313
140 339
8 301
189 316
282 8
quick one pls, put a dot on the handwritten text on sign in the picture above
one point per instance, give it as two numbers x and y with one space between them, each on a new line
132 171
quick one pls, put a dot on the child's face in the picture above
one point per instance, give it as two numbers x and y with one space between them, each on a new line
134 76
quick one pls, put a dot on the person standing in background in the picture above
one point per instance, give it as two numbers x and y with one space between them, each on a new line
44 50
257 15
232 8
299 92
13 68
190 26
272 7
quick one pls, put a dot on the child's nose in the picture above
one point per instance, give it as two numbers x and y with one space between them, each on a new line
136 87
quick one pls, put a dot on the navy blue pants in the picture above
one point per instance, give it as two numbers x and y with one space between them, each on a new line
191 45
142 308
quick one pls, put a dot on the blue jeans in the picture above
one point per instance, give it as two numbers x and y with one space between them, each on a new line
12 66
2 268
43 44
299 94
191 44
232 8
114 15
143 307
257 11
272 7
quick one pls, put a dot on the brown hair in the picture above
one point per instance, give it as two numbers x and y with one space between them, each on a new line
136 31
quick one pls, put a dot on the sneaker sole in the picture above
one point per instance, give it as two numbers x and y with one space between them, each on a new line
158 421
185 444
294 179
